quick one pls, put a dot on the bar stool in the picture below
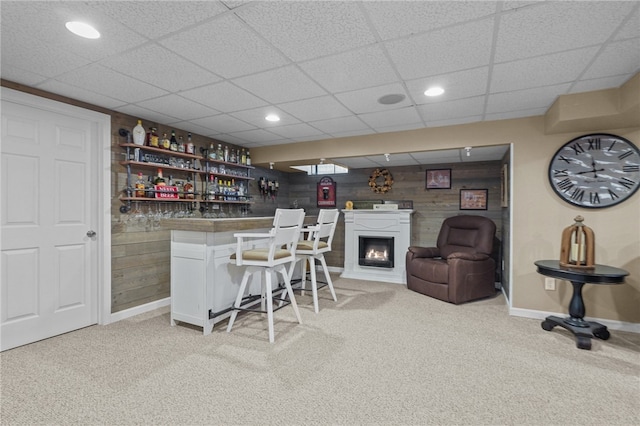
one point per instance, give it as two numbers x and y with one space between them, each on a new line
316 244
275 257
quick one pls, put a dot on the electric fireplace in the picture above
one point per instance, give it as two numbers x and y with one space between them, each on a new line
375 251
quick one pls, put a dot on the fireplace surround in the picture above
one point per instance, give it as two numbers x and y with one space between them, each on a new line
381 228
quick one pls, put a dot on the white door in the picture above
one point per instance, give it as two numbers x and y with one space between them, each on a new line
48 212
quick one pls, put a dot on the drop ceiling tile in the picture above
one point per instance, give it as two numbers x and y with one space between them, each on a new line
442 51
625 54
541 71
190 126
351 70
305 30
366 100
177 106
80 94
223 123
31 54
392 21
348 134
599 83
19 75
153 21
145 114
452 110
257 135
257 117
230 50
341 125
532 112
160 67
556 27
454 121
396 117
296 131
110 83
457 85
224 96
321 108
631 29
540 97
281 85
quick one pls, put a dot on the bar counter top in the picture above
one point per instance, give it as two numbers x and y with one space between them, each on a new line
225 224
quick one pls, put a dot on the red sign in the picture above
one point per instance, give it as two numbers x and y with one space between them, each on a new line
166 191
326 192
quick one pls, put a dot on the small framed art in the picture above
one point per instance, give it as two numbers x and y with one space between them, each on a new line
473 199
438 179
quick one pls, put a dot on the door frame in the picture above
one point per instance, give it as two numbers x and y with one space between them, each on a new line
102 161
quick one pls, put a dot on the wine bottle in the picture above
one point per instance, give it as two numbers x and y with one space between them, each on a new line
248 158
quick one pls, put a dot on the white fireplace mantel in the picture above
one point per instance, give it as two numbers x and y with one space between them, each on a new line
377 223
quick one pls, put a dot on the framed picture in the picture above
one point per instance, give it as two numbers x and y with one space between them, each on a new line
326 193
504 186
438 179
473 199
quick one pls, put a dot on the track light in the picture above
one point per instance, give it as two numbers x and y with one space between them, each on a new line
271 165
386 157
468 149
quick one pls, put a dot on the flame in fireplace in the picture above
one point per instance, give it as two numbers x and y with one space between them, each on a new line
377 255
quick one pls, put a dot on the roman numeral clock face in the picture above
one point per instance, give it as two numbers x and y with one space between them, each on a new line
595 171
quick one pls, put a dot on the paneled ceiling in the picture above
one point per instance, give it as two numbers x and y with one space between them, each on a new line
217 68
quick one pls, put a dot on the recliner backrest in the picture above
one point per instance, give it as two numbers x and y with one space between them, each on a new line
466 233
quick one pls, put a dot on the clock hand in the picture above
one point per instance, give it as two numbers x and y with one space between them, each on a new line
590 171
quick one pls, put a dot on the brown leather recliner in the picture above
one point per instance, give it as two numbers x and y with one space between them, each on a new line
460 268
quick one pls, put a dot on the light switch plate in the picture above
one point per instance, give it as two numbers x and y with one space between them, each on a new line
549 283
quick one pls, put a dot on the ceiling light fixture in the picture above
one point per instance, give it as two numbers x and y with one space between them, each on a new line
434 91
83 30
272 117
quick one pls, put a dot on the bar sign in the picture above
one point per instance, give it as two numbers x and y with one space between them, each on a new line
166 191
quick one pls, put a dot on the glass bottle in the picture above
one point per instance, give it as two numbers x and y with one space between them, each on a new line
160 179
212 190
149 187
213 155
243 157
138 134
188 189
153 138
181 145
232 155
165 142
173 142
140 186
248 158
226 153
190 147
220 152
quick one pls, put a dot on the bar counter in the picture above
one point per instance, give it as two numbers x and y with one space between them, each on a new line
204 282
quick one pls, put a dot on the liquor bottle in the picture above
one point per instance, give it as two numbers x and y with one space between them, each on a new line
212 189
138 134
190 147
248 158
159 179
242 191
188 189
154 140
140 186
165 143
226 153
181 145
149 188
173 142
213 155
220 152
243 157
232 155
180 188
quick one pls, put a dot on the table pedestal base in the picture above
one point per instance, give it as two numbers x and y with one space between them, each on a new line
582 330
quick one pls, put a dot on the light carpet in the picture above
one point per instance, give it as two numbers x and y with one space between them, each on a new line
381 355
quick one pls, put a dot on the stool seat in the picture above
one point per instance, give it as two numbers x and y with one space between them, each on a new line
278 254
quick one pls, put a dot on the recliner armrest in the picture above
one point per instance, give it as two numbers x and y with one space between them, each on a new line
424 251
468 256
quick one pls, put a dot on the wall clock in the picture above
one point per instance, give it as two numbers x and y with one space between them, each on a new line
595 171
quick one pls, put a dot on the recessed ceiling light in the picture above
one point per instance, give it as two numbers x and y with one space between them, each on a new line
272 117
83 30
391 99
434 91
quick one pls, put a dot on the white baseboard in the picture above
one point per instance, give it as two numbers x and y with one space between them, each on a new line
611 324
137 310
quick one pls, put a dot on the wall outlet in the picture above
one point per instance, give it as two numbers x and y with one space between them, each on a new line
549 283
